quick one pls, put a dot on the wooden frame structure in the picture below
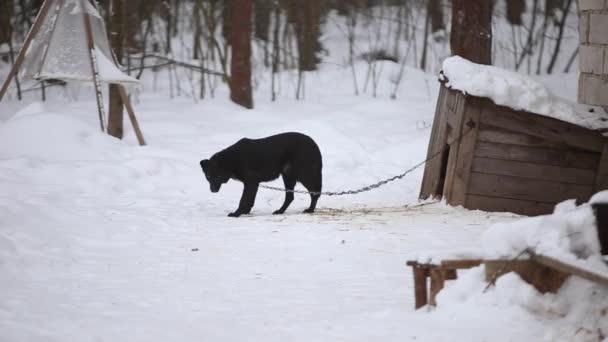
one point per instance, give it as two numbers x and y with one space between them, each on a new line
546 274
94 67
495 158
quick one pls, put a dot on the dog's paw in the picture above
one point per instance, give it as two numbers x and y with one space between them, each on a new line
308 211
278 212
235 214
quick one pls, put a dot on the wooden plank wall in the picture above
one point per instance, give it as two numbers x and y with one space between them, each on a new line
526 163
432 182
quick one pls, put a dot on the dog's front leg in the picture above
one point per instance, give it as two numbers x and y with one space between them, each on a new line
250 190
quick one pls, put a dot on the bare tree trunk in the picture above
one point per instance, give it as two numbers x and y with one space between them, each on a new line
528 48
275 46
226 20
166 8
263 9
560 35
196 46
306 17
515 9
435 11
539 62
472 30
425 41
240 64
116 32
6 11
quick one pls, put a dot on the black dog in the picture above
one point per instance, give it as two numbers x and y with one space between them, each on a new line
294 156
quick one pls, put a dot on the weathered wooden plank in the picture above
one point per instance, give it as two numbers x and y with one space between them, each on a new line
577 159
533 170
432 180
458 264
466 148
454 141
437 283
495 134
526 189
543 278
542 126
517 206
420 288
601 178
452 119
567 268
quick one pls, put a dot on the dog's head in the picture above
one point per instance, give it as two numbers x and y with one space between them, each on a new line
216 176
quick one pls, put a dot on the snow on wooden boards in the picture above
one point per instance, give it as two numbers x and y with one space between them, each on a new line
500 159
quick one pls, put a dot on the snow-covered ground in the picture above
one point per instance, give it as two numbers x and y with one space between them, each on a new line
103 240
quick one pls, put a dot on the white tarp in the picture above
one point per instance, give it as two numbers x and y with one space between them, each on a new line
59 50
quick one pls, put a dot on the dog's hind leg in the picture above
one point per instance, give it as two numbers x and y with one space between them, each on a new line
247 200
290 184
312 184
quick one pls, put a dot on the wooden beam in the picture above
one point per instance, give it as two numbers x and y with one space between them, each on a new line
26 44
490 133
461 171
431 179
526 188
127 102
420 288
564 158
437 283
542 126
601 178
533 171
459 264
93 59
518 206
565 267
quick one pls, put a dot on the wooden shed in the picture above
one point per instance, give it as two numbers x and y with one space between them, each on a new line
494 158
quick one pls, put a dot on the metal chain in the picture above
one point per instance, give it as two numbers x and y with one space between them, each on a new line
469 124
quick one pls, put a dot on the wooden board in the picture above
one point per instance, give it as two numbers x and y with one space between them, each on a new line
567 268
577 159
541 126
533 170
527 189
454 142
521 207
601 180
544 279
431 180
489 133
459 167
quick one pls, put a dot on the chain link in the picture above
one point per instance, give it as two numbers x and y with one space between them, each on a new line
469 124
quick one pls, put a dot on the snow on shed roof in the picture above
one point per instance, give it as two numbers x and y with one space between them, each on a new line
517 91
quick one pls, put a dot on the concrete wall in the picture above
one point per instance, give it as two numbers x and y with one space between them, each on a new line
593 53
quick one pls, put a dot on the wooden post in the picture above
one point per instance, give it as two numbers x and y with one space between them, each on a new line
28 40
93 59
420 291
127 102
437 283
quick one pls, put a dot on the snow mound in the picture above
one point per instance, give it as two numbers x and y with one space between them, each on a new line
577 312
52 137
569 234
517 91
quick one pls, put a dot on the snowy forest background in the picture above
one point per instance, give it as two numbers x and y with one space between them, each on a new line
189 41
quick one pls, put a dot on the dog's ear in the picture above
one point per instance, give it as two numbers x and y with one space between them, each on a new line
205 164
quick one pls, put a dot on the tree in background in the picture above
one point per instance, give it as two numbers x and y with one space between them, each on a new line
515 9
116 32
240 64
471 36
305 16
